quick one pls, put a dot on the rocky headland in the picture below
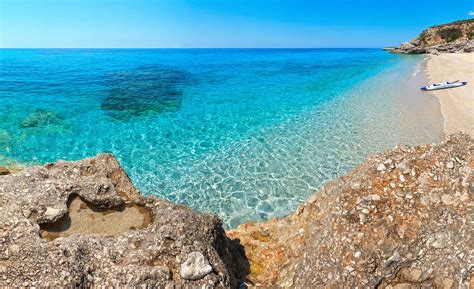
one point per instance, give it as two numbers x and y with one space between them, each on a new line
402 219
455 37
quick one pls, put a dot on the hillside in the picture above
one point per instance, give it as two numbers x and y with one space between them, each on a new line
456 36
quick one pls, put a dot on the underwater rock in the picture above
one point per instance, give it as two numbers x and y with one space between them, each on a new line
5 139
145 91
44 122
40 118
4 171
12 165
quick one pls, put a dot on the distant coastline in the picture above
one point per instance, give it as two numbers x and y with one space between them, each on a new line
454 37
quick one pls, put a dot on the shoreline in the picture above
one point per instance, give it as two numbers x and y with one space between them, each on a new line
427 80
456 104
419 107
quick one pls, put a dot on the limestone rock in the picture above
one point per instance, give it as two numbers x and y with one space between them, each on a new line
373 234
406 46
381 167
83 224
195 267
51 212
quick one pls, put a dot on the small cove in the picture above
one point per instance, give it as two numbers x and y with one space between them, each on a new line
247 134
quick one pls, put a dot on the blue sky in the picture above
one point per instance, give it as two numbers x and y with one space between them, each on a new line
221 23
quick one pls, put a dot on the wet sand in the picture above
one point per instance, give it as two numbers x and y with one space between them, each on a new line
457 104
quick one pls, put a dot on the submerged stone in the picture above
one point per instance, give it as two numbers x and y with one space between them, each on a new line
41 118
43 122
12 165
5 139
4 171
144 91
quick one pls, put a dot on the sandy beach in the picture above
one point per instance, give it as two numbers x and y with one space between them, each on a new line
457 104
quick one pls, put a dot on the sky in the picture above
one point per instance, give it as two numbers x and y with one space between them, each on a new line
221 23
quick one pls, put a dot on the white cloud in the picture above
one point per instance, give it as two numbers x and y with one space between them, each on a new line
470 13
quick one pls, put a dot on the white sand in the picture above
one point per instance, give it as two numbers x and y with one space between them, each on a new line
457 104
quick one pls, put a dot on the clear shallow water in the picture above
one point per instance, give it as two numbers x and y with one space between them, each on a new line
246 134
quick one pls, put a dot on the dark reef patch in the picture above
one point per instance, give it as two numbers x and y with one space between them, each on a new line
144 91
44 121
41 118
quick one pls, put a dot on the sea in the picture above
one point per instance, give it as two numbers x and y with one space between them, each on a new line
247 134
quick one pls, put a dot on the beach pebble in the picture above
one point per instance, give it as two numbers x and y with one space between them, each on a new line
355 186
381 167
26 213
450 165
15 249
374 197
195 267
447 199
51 212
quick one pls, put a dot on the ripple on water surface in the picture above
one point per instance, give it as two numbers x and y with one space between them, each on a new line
246 134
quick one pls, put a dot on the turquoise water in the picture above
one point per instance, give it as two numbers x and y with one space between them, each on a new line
247 134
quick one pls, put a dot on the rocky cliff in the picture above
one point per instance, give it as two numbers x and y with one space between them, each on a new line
447 38
402 219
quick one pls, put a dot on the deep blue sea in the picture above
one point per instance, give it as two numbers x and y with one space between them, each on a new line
247 134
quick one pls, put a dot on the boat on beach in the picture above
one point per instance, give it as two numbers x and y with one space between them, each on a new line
444 85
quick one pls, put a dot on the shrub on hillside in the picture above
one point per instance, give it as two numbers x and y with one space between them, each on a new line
450 34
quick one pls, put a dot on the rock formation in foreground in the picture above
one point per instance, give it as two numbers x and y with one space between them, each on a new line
446 38
402 219
83 224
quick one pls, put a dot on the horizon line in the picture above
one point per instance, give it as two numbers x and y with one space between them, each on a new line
5 48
